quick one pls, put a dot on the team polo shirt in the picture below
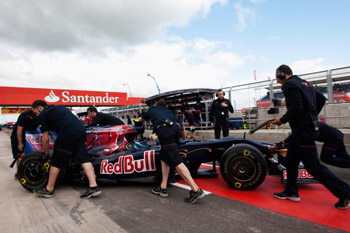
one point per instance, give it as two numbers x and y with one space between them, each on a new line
103 119
158 114
60 120
27 120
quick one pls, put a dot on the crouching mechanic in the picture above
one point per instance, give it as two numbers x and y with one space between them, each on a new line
70 144
169 131
333 150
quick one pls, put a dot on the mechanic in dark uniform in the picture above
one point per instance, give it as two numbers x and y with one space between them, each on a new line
333 149
303 104
219 110
26 121
169 131
102 119
70 144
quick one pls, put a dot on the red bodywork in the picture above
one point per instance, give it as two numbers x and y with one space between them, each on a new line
109 139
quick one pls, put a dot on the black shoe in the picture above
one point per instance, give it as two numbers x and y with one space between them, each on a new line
343 204
159 191
91 192
283 196
195 196
42 192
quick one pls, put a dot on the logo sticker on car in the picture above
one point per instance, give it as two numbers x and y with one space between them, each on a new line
127 164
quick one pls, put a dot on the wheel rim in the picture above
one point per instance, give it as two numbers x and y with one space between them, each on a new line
35 172
242 168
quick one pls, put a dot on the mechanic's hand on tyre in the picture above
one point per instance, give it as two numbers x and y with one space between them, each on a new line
44 156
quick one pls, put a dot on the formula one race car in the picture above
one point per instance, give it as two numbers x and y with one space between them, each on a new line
118 154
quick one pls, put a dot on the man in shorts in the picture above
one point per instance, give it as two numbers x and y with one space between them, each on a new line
70 144
169 131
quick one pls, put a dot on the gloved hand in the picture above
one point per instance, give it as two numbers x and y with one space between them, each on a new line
281 145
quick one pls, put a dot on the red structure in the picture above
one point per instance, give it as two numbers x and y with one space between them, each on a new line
21 96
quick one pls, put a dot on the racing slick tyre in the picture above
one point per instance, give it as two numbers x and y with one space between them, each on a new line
243 167
33 170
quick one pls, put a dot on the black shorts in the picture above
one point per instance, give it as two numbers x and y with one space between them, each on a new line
168 138
70 148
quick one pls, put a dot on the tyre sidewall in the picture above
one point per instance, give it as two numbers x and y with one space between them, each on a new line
246 153
30 182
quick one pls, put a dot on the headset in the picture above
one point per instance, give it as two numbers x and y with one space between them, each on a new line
216 94
280 74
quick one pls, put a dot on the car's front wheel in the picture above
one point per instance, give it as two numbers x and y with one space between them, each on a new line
243 167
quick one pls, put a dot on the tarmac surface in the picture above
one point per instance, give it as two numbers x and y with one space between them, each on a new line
131 207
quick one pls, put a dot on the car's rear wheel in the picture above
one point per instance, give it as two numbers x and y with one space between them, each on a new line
33 171
243 167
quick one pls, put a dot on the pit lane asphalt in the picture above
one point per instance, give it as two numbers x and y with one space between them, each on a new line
131 207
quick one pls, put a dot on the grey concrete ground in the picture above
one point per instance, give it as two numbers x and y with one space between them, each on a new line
131 207
22 211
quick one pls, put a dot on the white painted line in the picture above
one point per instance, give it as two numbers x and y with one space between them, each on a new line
187 187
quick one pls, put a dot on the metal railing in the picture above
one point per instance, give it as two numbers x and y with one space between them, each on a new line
336 111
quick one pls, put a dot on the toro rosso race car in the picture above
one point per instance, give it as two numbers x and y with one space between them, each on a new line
118 154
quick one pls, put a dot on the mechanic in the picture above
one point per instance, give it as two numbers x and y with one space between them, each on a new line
219 110
333 149
26 121
198 109
102 119
169 131
70 144
191 123
303 105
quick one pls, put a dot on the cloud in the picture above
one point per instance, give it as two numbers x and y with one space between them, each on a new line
244 15
176 64
50 25
307 66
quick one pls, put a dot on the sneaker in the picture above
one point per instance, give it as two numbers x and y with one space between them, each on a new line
159 191
195 196
42 192
91 192
284 196
343 204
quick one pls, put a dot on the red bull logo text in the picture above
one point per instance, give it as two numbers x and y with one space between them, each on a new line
303 174
127 164
35 141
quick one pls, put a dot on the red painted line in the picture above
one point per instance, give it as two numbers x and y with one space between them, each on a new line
316 205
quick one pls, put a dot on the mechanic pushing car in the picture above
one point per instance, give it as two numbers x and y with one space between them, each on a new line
70 144
169 131
102 119
219 111
303 105
333 149
26 121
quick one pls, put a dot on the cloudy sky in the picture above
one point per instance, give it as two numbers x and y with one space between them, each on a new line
103 45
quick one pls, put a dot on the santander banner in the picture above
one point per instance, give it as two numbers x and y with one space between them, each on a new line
26 96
